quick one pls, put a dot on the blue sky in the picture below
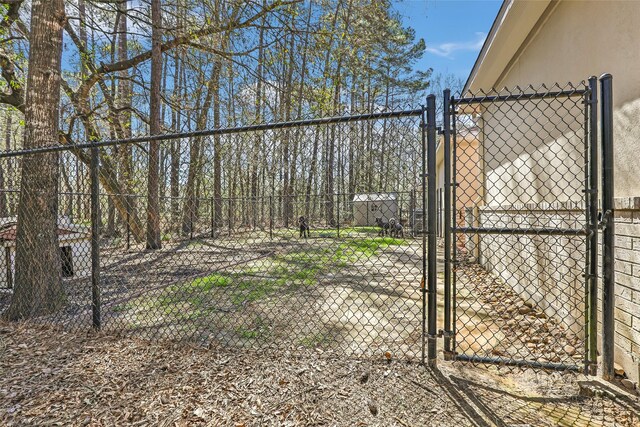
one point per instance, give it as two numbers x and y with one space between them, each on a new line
454 31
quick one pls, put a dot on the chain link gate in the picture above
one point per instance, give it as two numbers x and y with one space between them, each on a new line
520 227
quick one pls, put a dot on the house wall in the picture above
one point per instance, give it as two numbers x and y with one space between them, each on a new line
580 39
546 271
572 41
468 167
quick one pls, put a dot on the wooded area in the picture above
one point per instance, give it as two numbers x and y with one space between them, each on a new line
117 69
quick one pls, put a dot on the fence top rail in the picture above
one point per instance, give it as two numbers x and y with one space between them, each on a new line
522 96
219 131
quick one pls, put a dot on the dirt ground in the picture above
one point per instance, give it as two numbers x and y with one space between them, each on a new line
51 377
359 294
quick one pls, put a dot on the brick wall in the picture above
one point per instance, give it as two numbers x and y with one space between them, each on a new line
627 277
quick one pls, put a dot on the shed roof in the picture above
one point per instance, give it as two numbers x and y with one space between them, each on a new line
8 232
375 197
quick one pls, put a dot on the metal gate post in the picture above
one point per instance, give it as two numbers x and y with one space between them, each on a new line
608 233
447 222
423 288
592 242
95 239
431 211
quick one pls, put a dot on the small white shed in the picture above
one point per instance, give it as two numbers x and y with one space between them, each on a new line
75 250
368 207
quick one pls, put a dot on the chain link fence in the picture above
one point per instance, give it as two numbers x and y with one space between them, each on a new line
323 233
299 234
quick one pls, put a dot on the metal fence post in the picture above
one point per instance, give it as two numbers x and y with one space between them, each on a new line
95 239
230 219
128 226
338 214
608 233
591 343
447 222
431 210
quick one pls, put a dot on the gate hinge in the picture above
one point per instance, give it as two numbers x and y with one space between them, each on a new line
445 334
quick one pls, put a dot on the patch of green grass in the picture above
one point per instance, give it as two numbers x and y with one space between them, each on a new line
121 308
201 296
366 230
209 282
366 247
256 330
315 340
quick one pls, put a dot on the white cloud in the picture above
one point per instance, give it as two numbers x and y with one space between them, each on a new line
447 50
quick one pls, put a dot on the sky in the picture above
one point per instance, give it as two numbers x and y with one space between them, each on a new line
453 30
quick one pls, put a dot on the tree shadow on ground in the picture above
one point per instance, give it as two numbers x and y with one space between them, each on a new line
504 407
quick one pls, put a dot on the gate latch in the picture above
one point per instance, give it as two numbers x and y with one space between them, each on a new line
604 218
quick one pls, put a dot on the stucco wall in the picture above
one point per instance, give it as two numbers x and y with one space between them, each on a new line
580 39
547 271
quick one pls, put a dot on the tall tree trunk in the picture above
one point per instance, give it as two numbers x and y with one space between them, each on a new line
174 174
130 213
153 207
257 146
217 148
4 180
38 278
189 213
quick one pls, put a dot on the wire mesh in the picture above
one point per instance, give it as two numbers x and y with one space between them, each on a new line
291 235
520 167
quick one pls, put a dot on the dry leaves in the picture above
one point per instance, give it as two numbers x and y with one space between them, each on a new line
50 377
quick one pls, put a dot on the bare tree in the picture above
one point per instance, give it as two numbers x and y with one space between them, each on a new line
38 276
153 208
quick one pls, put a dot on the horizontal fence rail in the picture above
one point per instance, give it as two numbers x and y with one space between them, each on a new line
216 132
